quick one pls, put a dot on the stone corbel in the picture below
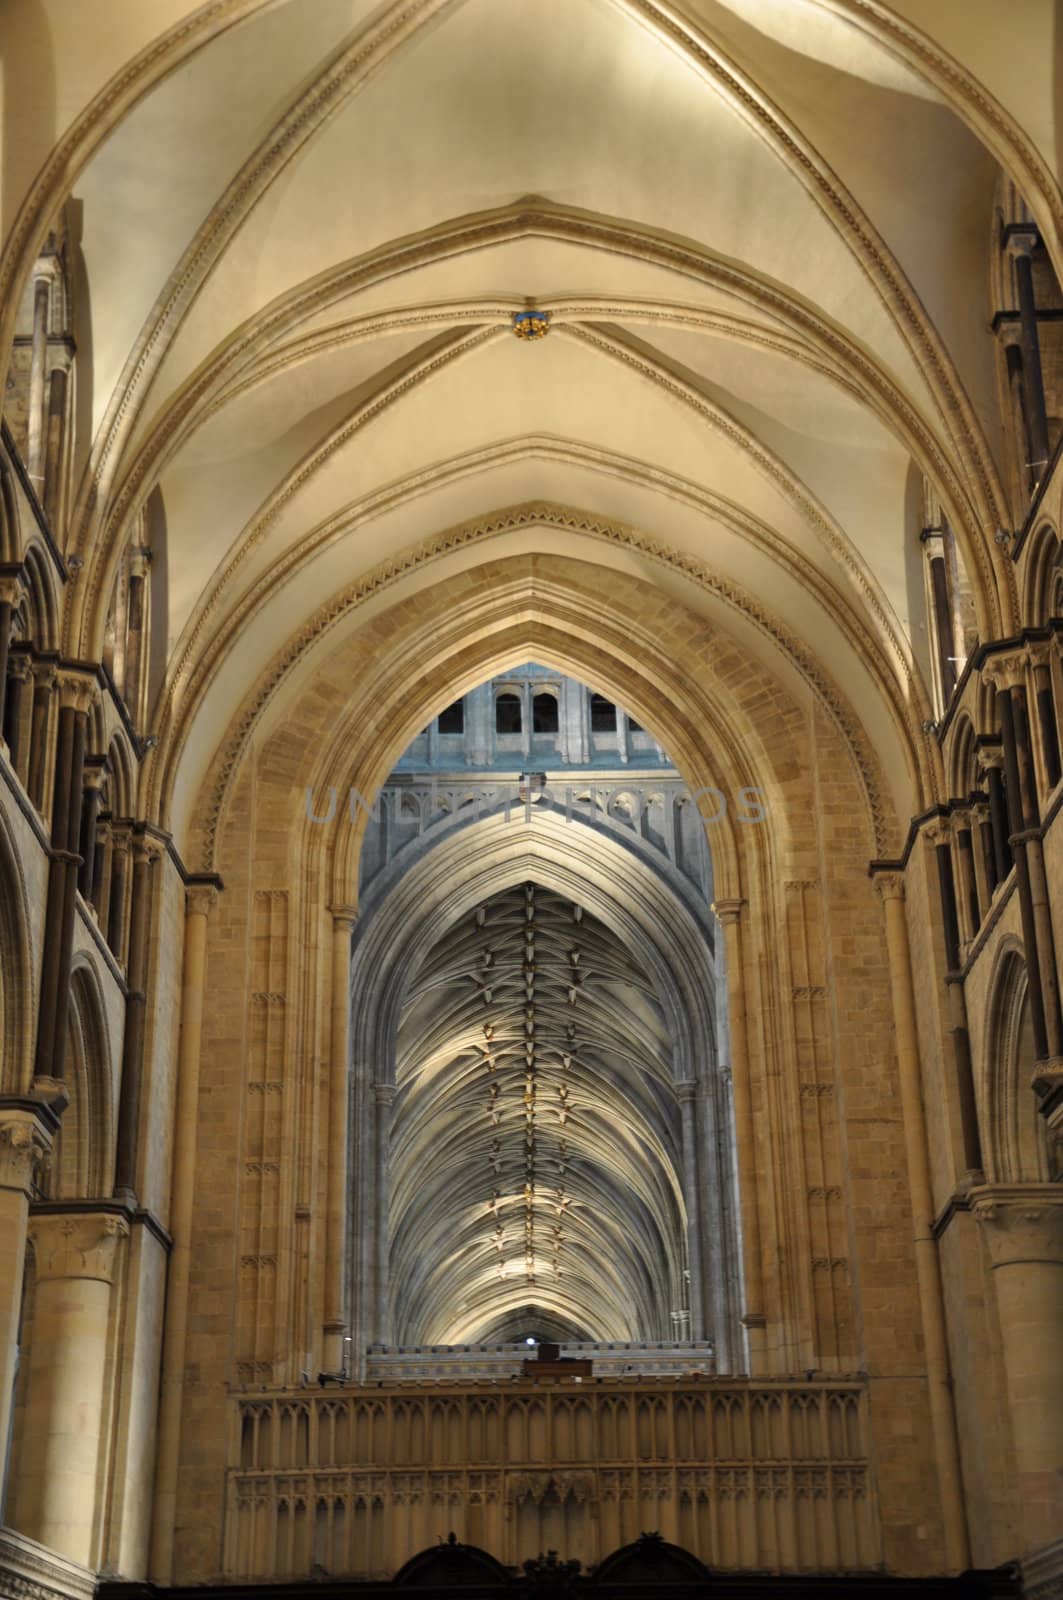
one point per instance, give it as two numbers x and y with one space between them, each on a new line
727 911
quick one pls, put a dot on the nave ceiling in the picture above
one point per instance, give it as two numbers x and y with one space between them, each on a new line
303 231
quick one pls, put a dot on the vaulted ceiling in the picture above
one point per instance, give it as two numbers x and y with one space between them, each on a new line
535 1156
761 228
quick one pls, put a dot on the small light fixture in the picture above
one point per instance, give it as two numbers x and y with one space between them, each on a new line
530 1339
531 324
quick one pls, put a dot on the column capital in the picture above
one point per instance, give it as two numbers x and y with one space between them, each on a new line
990 759
19 666
343 918
10 587
728 911
147 848
938 831
45 674
25 1141
78 1244
1023 1222
686 1092
1008 669
889 885
78 691
383 1094
200 899
1022 239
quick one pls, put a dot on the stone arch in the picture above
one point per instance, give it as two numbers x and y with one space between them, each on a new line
1016 1149
1043 578
16 966
82 1159
674 938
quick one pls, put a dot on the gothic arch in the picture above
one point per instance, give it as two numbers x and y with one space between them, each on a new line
1042 590
82 1160
17 964
1015 1143
674 944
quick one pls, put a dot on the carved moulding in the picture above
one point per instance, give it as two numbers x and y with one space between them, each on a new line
389 573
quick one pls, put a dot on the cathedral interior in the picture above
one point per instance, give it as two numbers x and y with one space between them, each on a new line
531 880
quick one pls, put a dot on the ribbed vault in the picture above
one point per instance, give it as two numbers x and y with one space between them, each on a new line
536 1143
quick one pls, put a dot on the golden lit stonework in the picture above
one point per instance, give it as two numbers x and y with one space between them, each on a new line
531 324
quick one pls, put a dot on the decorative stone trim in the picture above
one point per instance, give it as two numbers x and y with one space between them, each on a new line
25 1140
30 1572
76 1246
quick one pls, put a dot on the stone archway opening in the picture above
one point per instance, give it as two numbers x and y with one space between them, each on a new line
541 1102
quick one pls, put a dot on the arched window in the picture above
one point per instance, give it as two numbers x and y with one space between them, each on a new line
544 713
603 714
508 715
452 720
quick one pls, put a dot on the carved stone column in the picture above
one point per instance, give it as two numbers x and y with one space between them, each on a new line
42 290
18 675
992 765
728 913
55 1477
383 1099
939 835
1008 673
693 1195
146 852
343 919
10 594
76 693
1023 1230
26 1132
890 886
200 901
1021 246
44 678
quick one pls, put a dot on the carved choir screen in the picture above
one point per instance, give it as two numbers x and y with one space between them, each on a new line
773 1476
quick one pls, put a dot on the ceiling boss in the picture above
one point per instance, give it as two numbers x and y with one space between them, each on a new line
531 324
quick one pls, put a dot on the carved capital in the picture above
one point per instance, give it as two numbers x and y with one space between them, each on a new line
147 848
938 831
1022 1222
200 899
19 666
1007 670
24 1143
76 1244
1022 240
889 885
77 690
10 588
343 918
728 911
